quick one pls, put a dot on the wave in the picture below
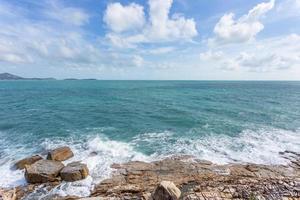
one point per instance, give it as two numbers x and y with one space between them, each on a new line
98 152
261 147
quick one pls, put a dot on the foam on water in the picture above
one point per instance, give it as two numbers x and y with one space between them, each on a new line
261 147
11 177
98 152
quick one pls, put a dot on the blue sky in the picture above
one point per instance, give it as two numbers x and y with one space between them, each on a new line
151 39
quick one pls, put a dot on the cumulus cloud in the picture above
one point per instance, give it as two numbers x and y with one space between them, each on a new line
160 27
277 53
121 18
230 30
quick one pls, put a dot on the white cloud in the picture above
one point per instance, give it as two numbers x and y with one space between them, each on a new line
10 53
161 50
288 8
121 18
67 15
138 61
278 53
229 30
265 62
23 41
120 41
211 56
160 27
70 16
12 58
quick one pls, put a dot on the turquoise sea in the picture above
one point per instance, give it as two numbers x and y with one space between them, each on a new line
118 121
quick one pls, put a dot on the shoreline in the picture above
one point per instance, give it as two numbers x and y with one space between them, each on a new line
196 179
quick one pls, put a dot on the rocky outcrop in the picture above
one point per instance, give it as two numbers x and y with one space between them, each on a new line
60 154
166 190
194 179
74 171
200 180
27 161
43 171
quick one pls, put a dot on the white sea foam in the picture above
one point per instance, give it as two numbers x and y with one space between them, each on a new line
99 153
262 146
10 177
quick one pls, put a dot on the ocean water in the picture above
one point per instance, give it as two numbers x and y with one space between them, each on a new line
107 122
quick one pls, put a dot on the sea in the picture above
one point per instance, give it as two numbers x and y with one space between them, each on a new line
106 122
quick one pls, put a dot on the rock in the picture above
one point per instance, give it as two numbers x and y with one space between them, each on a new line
8 194
196 180
166 190
43 171
74 171
60 154
27 161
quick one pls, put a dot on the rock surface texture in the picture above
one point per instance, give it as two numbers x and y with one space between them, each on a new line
74 171
27 161
43 171
166 190
202 180
8 194
60 154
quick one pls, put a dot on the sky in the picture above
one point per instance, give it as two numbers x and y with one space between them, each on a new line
151 39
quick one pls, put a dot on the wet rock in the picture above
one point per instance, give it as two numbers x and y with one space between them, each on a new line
166 190
60 154
74 171
27 161
43 171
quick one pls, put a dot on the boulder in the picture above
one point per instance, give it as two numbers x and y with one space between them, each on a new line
27 161
60 154
74 171
43 171
166 190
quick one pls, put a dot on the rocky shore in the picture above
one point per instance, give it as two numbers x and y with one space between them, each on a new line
180 177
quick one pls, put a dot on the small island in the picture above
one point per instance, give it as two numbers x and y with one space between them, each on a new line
9 77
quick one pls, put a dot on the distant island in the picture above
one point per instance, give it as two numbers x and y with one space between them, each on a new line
8 76
76 79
